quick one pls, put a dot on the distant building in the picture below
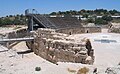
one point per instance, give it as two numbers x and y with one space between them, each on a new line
111 16
56 16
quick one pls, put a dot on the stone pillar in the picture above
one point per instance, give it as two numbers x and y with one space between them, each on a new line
30 23
7 44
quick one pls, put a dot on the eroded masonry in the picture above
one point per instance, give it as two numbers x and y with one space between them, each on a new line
58 47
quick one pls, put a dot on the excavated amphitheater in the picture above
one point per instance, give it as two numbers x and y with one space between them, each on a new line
59 53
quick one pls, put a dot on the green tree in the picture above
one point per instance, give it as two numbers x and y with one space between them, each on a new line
107 18
85 15
100 21
90 20
53 13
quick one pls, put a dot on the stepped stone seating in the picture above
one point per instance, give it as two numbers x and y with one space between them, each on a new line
72 24
65 22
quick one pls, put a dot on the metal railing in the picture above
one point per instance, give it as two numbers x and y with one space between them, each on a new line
16 39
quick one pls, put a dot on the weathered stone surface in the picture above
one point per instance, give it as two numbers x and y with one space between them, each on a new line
80 30
88 60
60 49
81 57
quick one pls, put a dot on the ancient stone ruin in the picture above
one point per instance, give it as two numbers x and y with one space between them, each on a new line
58 47
114 28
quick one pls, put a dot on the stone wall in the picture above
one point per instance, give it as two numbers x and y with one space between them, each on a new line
59 49
80 30
19 33
114 30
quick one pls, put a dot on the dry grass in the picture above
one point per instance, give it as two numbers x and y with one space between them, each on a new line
83 70
71 70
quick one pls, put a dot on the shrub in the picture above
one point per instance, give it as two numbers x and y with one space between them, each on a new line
37 68
119 63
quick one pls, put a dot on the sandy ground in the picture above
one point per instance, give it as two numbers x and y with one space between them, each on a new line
5 30
106 55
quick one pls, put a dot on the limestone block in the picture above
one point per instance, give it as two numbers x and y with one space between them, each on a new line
89 60
92 53
80 57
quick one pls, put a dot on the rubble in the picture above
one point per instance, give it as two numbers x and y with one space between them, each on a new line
113 70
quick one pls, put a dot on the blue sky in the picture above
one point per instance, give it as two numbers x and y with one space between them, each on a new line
12 7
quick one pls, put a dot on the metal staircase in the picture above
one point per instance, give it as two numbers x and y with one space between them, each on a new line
41 20
44 21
